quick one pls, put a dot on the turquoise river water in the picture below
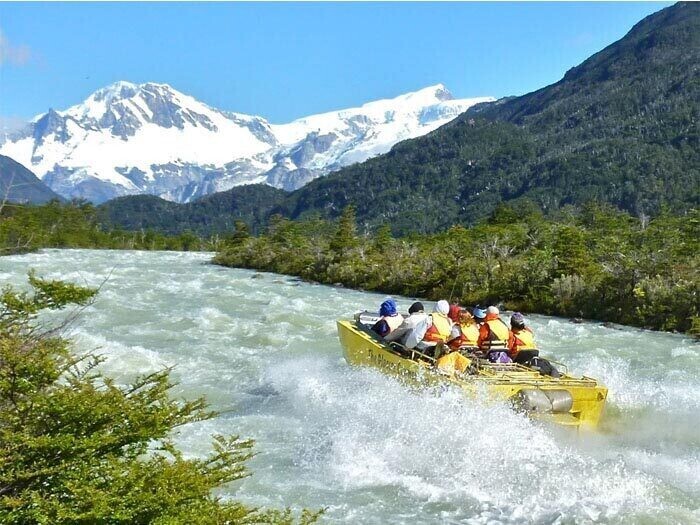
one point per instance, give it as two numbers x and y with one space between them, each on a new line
263 349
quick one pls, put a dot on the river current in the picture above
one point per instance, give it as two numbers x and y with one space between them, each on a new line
263 349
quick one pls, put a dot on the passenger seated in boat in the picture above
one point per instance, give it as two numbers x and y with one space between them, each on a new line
416 316
494 337
522 346
465 332
389 319
479 316
453 314
523 349
435 329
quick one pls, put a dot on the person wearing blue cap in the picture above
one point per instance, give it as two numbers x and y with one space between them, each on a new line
479 315
389 319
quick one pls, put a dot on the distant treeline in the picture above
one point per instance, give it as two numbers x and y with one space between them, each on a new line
77 225
595 262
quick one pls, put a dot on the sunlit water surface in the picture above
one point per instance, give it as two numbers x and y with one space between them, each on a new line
263 349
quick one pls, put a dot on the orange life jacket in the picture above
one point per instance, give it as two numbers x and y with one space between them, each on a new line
523 339
440 330
498 335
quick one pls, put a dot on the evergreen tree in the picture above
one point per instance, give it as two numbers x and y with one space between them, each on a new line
383 238
570 252
345 236
241 232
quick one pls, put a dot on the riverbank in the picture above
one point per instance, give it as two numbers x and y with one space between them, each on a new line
599 264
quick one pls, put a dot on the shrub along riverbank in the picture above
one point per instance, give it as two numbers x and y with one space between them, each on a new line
78 225
596 263
77 447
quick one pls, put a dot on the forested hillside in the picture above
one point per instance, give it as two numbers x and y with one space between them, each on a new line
623 128
18 184
214 214
25 228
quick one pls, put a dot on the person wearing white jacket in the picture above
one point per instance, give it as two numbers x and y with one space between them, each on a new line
416 316
417 338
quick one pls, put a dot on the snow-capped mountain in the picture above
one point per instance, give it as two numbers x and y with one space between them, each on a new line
150 138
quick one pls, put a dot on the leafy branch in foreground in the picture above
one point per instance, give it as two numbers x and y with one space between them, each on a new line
75 447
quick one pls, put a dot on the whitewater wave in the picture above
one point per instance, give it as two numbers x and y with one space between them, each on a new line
365 446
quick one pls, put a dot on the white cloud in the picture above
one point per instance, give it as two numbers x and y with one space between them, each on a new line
15 55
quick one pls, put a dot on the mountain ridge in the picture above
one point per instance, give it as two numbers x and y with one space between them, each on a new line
150 138
19 185
622 127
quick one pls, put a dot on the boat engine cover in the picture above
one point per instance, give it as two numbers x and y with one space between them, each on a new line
561 400
533 400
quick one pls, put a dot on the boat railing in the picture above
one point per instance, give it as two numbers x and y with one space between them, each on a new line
485 369
508 372
415 354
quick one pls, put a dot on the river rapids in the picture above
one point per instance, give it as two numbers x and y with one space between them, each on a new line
263 349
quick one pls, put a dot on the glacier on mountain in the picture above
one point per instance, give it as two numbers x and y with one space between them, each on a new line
149 138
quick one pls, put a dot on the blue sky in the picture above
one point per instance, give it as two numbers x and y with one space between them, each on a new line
287 60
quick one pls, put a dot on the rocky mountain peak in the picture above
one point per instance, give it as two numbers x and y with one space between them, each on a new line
117 91
151 138
442 93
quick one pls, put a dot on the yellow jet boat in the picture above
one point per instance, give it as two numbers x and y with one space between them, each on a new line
565 400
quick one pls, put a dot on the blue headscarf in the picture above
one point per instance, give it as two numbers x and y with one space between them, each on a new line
388 308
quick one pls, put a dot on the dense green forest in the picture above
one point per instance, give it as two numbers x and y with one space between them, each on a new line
210 215
596 263
26 228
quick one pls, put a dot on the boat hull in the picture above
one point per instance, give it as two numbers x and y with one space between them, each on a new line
566 400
